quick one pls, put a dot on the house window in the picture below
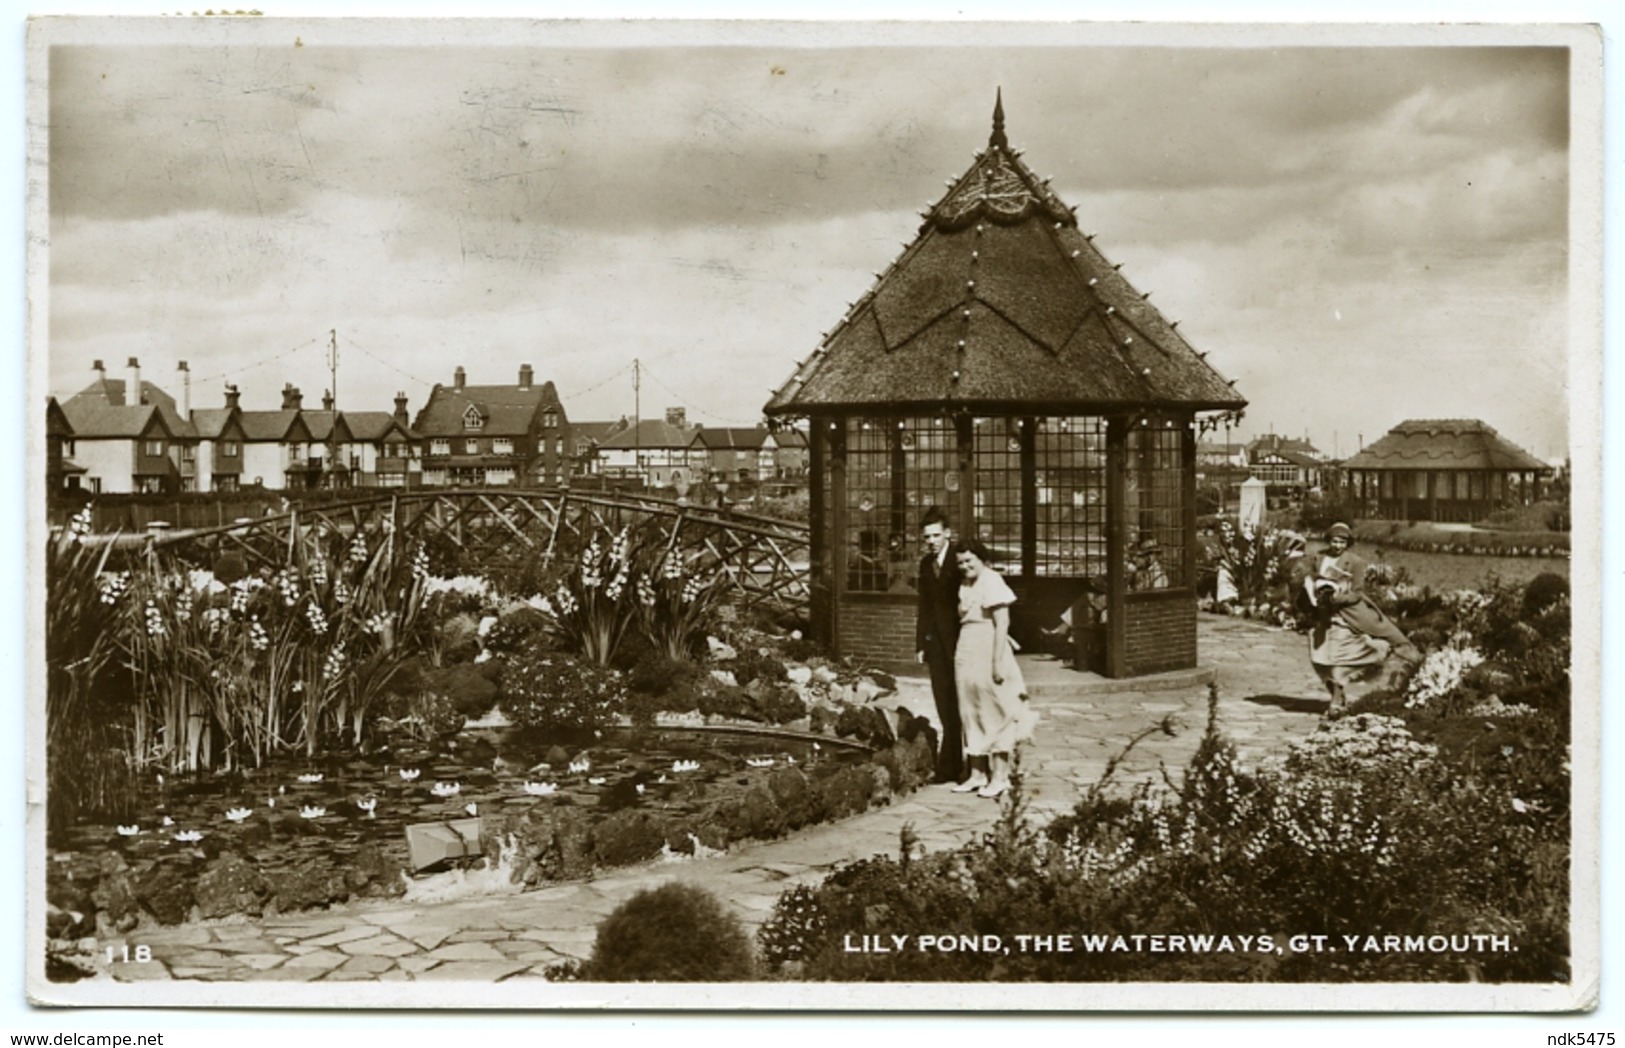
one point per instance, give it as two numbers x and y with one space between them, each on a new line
228 482
229 449
472 419
499 477
471 447
296 452
67 448
188 483
583 446
155 448
189 453
502 446
440 447
152 485
95 485
434 478
550 420
392 480
558 446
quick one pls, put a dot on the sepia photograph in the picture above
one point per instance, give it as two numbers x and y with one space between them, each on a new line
686 515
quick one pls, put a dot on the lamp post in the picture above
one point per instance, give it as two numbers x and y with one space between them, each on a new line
719 481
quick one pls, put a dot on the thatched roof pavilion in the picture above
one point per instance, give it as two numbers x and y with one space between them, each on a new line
1454 469
1005 369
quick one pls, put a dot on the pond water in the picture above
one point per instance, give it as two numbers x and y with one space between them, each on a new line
294 817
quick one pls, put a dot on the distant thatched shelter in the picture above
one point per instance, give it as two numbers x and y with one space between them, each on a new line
1004 369
1454 469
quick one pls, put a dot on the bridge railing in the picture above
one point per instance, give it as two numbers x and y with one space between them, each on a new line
765 559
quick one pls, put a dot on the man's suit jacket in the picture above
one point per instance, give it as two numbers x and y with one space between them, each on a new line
938 618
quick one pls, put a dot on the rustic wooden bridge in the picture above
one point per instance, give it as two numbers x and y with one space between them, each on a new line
764 559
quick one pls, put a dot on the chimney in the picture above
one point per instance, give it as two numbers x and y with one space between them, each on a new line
327 400
186 389
400 408
292 399
231 396
526 376
677 417
132 385
100 370
459 378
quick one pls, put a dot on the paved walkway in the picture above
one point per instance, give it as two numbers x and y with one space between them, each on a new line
1268 698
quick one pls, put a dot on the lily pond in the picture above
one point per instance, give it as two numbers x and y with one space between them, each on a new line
346 800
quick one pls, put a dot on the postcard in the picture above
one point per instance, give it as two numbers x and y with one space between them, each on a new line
813 515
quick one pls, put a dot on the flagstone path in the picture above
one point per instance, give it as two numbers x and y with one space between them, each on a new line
1269 697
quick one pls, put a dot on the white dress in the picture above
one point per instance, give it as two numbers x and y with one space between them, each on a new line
994 716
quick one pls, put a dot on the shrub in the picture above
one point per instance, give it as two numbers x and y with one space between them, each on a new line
545 689
674 933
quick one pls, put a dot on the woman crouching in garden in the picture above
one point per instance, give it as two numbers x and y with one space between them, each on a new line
1349 635
993 708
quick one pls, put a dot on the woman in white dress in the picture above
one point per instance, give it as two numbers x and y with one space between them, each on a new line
993 707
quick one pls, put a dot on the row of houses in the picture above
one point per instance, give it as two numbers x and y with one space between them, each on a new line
122 435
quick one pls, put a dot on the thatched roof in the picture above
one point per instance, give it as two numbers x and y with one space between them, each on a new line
1448 443
1001 304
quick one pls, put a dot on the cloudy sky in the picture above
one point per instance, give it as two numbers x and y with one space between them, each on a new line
1357 235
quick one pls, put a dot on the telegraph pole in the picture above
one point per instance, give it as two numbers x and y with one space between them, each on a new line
333 387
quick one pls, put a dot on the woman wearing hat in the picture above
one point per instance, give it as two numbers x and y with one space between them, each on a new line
1350 634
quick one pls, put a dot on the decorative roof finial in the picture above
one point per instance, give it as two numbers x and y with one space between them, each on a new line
997 139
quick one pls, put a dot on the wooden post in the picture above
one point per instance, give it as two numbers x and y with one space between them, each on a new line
820 608
1027 428
965 437
1187 465
837 537
1116 582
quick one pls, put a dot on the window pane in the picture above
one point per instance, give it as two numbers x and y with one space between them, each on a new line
1070 463
998 491
1154 505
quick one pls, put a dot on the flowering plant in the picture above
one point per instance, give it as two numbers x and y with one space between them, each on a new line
1441 675
586 612
675 604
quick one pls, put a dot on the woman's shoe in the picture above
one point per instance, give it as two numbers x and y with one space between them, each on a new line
976 782
993 789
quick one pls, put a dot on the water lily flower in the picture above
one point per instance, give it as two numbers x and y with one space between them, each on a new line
312 811
596 780
368 805
541 789
189 836
640 789
759 762
682 765
239 814
314 776
581 766
410 774
167 821
446 789
472 807
129 831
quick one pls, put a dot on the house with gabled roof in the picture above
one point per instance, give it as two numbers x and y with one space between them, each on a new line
1453 470
129 436
382 449
585 440
493 435
730 452
59 465
220 440
784 454
276 446
656 450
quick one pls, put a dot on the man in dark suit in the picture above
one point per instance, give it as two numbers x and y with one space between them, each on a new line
936 632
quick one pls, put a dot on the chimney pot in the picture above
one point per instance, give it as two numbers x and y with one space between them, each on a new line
292 399
459 377
526 376
132 389
96 366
